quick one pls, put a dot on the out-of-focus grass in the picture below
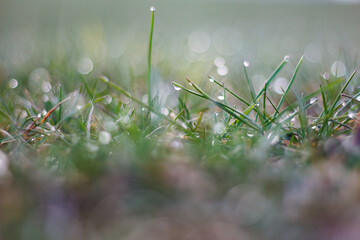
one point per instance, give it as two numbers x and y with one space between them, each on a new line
281 163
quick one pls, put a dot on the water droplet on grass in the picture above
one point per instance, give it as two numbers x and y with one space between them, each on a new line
313 100
286 58
176 87
108 99
221 97
13 83
211 79
352 115
152 8
105 78
165 111
326 75
246 64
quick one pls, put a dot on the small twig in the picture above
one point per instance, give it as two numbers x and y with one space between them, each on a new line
35 122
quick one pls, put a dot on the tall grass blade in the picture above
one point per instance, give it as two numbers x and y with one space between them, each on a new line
152 9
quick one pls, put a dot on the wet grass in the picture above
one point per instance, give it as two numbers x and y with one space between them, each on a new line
91 156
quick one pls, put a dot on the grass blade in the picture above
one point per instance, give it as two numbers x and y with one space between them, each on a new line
288 87
152 9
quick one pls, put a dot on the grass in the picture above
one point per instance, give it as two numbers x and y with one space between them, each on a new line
91 159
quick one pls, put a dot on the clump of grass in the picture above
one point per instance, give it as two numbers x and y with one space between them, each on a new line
75 164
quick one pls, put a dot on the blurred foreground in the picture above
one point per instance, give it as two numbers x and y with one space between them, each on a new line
103 167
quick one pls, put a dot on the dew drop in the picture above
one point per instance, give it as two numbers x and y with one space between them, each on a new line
211 79
13 83
352 115
165 111
152 8
176 87
46 87
246 64
326 75
286 58
108 99
105 78
313 100
221 97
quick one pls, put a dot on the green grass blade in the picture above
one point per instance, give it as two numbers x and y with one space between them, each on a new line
341 92
128 95
243 117
211 79
289 86
152 9
172 123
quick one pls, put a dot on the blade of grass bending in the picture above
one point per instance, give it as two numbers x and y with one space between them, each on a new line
228 90
187 90
228 109
267 83
352 98
272 104
271 78
251 86
288 87
128 95
172 123
323 100
307 97
341 92
333 107
152 9
253 97
198 121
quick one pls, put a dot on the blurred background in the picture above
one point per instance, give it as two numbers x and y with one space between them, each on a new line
192 38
